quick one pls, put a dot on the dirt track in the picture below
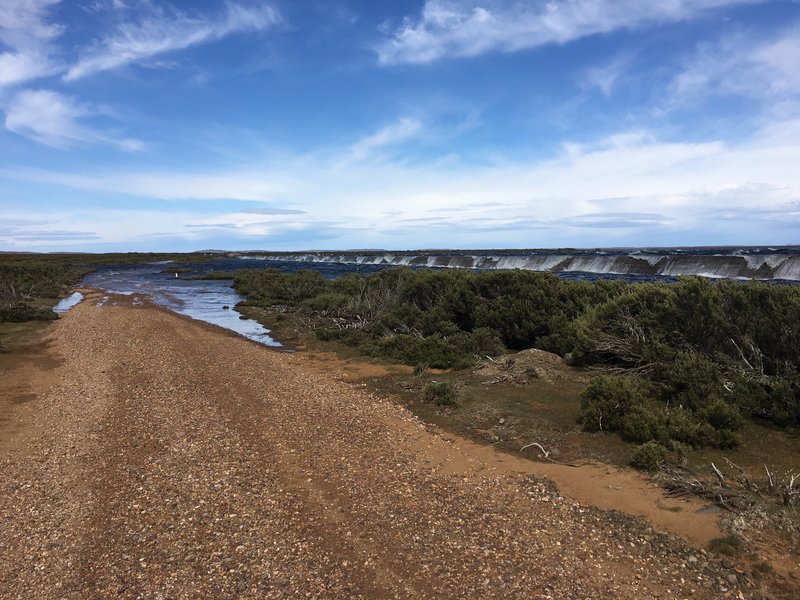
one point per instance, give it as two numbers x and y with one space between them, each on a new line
163 458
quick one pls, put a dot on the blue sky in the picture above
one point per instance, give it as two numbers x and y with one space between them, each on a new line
314 124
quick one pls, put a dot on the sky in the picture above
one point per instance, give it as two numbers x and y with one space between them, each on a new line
145 125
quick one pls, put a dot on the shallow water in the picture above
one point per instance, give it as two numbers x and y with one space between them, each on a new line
202 300
65 304
171 285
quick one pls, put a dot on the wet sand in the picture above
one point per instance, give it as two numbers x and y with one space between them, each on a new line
148 455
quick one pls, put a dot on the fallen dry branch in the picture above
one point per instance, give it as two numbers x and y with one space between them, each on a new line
733 492
537 445
546 454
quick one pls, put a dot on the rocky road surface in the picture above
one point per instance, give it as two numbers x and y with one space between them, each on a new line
171 459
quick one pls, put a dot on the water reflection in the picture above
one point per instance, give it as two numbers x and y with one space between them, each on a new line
65 304
208 301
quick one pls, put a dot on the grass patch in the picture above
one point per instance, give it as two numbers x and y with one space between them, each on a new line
441 393
730 545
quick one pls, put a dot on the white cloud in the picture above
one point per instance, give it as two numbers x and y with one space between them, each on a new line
54 119
105 5
21 20
402 130
18 67
629 184
607 76
164 30
27 34
447 28
742 65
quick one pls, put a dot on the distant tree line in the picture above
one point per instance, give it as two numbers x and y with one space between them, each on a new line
685 362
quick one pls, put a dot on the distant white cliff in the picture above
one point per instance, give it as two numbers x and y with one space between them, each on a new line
729 265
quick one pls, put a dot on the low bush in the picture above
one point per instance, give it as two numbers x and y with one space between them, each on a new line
607 400
730 545
327 303
649 456
24 281
701 356
19 312
441 394
642 424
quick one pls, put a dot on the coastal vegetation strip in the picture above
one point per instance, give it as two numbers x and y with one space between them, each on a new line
31 284
687 377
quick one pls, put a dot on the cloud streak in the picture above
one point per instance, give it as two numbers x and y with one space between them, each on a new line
395 133
742 65
447 28
27 34
55 120
164 30
599 187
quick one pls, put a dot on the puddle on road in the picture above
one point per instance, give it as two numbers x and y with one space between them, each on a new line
208 301
65 304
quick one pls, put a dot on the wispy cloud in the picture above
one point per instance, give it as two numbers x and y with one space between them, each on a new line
27 33
55 120
166 29
447 28
50 235
273 211
105 5
606 77
742 64
599 187
400 131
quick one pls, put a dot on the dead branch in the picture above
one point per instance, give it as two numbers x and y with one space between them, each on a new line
539 446
770 480
743 478
718 473
741 354
546 455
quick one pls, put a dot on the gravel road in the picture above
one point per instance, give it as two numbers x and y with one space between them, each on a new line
171 459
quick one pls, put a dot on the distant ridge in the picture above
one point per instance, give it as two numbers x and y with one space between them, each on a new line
761 263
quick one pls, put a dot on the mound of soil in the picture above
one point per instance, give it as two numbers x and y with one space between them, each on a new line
528 365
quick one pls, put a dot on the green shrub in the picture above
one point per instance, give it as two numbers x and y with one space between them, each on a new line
327 302
441 394
327 334
486 342
642 424
649 456
20 312
692 380
679 448
784 402
708 353
606 401
420 369
682 426
730 545
210 276
721 415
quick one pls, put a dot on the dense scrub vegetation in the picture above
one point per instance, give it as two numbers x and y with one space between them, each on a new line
686 362
22 283
25 278
30 283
